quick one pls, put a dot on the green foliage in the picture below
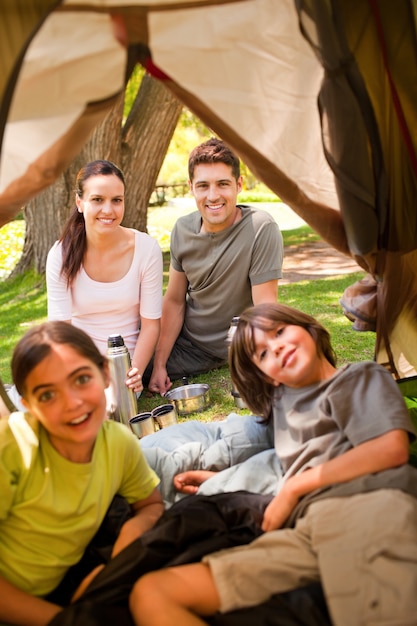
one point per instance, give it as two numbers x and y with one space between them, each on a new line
189 133
22 304
12 237
132 88
257 196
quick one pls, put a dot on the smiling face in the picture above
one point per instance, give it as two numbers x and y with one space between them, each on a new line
215 191
65 392
102 203
288 355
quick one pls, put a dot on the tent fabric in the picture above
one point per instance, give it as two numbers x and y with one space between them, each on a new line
245 99
62 91
318 98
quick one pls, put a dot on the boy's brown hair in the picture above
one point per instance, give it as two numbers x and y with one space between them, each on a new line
253 385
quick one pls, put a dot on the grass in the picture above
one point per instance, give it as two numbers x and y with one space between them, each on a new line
23 303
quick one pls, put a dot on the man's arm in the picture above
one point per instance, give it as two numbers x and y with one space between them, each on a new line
381 453
173 311
265 292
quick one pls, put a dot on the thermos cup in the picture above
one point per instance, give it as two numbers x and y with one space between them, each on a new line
235 394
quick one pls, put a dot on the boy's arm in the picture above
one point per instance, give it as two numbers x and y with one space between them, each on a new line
381 453
21 608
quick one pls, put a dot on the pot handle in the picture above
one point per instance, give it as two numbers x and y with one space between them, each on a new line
185 380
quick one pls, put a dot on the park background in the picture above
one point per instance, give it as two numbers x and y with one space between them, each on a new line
314 274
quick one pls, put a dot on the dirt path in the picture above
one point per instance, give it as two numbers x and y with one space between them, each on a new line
315 260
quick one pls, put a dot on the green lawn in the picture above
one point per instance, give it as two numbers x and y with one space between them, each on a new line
23 303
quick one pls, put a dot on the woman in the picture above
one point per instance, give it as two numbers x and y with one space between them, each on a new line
103 277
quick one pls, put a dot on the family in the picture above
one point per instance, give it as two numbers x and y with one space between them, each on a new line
338 517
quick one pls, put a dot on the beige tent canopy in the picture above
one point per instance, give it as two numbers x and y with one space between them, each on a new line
316 97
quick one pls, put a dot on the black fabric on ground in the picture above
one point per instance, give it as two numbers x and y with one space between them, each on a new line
191 528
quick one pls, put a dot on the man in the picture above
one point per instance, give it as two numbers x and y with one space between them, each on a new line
224 258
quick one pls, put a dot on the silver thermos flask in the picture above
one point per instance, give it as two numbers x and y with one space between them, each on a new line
123 400
236 395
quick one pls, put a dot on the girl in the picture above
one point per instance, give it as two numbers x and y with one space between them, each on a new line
61 464
103 277
342 438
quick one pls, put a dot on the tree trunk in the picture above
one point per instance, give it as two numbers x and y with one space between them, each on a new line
146 137
138 147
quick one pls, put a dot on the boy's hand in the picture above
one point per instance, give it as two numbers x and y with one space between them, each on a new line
279 509
189 482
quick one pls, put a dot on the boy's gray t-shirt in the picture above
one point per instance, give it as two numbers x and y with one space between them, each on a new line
221 269
317 423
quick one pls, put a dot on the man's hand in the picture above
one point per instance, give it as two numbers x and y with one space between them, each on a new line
160 381
189 482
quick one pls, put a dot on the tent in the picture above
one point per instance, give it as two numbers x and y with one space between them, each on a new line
318 98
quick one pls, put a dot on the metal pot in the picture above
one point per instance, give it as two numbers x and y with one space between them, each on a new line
189 398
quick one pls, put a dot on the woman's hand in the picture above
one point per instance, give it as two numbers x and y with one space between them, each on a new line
189 482
134 380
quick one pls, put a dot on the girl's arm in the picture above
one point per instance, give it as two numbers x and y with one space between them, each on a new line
20 608
146 514
378 454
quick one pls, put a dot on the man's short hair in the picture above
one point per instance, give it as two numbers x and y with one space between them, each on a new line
213 151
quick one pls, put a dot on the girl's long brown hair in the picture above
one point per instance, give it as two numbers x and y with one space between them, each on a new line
73 236
253 385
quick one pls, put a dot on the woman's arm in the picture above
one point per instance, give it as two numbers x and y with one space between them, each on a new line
144 349
58 295
20 608
378 454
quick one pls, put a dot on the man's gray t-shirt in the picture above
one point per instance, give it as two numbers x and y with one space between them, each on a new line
221 269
